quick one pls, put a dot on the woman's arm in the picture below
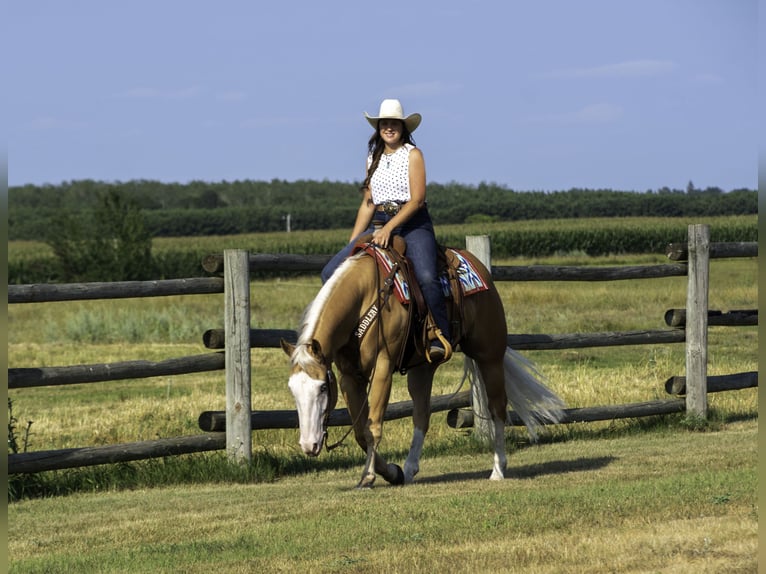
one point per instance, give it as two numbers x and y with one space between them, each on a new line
363 215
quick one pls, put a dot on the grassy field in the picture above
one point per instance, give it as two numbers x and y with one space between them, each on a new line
630 496
651 502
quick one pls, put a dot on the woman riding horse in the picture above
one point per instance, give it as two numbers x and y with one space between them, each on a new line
394 203
329 334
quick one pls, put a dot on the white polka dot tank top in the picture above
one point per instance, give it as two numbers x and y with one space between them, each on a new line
391 181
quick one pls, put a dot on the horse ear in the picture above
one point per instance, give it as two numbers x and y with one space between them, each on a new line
287 347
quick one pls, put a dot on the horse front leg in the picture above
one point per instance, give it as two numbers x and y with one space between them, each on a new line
419 384
353 388
380 392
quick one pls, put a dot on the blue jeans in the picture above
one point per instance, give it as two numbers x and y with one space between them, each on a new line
418 232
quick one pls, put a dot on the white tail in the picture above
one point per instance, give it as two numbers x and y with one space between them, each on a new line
535 403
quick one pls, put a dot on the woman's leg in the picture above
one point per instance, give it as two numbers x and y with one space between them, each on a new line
340 257
421 251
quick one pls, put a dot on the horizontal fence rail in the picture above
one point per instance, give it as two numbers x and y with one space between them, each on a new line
215 421
567 273
20 378
265 338
38 293
741 318
720 250
30 462
715 383
271 262
41 293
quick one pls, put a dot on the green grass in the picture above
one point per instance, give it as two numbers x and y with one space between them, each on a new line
660 501
656 494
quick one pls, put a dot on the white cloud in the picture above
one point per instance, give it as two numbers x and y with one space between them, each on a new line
628 69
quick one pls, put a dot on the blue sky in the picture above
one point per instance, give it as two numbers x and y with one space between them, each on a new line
543 95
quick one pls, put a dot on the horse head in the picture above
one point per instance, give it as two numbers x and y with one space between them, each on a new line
315 390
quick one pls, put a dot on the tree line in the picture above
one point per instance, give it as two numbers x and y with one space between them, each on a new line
201 208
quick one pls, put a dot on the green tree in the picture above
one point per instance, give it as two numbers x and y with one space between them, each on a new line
108 243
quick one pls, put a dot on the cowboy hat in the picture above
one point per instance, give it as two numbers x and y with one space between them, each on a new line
392 109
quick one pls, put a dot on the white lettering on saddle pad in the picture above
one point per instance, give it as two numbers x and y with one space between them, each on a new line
366 321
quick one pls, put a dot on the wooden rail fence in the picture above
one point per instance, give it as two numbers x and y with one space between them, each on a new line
231 429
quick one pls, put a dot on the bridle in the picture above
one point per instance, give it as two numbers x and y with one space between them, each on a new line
332 383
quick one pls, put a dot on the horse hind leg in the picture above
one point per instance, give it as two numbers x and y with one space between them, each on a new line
490 378
500 462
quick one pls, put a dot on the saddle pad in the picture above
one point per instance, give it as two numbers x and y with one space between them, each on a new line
401 288
470 280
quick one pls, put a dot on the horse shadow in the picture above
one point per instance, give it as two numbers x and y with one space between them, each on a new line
528 471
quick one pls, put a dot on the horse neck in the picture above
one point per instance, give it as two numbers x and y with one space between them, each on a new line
342 305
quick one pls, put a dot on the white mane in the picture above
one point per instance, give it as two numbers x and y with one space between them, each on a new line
310 316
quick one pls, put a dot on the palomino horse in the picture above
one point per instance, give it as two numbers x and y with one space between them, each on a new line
329 334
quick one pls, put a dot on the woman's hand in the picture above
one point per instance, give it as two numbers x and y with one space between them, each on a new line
381 237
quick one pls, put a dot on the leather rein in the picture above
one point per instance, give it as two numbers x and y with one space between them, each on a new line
371 316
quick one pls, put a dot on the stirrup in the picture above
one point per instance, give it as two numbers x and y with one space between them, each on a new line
447 348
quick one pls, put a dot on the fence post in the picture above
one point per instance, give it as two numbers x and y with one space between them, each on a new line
697 320
237 332
483 429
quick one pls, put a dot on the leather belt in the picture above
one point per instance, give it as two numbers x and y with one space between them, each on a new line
389 207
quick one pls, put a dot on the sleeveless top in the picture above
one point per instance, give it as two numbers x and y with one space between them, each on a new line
391 181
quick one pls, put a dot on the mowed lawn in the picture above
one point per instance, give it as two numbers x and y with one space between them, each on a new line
650 495
680 501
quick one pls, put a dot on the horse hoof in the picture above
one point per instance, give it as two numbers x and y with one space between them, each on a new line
398 478
366 482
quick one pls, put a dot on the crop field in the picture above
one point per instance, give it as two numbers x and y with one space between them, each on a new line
31 261
633 495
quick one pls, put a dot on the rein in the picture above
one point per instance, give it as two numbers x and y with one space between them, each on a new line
371 316
330 379
384 292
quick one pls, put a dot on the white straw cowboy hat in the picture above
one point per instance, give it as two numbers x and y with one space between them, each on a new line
392 109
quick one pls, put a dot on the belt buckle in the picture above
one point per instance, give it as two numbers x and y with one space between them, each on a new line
390 208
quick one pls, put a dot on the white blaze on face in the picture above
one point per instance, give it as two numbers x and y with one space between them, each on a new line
311 400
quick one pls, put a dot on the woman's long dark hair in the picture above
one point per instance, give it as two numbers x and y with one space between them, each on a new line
376 146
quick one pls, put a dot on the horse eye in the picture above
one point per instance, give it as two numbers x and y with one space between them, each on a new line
323 388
